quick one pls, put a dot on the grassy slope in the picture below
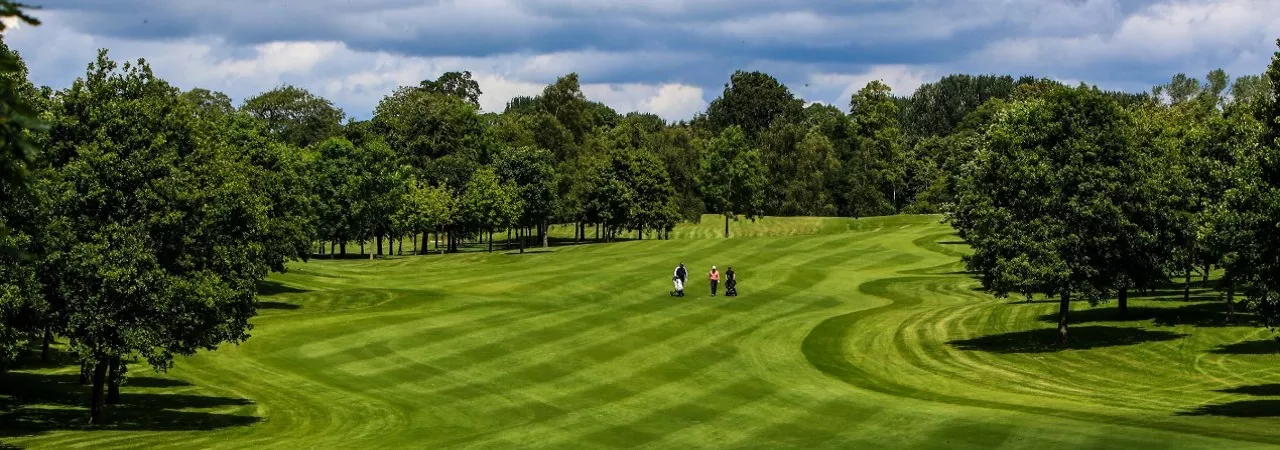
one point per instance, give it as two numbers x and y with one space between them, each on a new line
862 333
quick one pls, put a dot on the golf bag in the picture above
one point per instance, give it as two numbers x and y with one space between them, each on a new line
731 288
679 292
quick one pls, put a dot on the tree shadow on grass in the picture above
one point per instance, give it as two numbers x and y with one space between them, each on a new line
269 288
1242 408
278 305
1080 338
1260 390
1259 347
1195 314
36 403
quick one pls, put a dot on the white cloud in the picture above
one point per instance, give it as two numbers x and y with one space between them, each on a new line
356 80
903 79
1162 33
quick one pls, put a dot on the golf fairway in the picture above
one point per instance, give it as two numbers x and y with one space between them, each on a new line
847 333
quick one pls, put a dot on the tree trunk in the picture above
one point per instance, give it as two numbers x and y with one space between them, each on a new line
546 235
44 348
1123 301
343 248
414 250
1205 281
508 238
1231 307
97 398
86 373
490 241
1186 286
115 377
379 240
1063 309
361 248
597 232
520 237
726 226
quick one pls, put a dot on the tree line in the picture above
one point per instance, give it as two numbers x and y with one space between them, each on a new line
139 218
1067 191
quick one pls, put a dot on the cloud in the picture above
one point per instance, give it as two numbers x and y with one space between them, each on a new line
668 57
1193 35
902 79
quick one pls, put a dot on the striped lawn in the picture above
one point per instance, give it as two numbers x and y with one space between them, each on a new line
847 333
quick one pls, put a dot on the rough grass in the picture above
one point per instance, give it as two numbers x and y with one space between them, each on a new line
847 333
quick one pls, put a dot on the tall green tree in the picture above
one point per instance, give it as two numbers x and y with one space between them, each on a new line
422 126
166 237
564 101
295 116
1049 200
423 209
752 101
489 204
1258 203
937 108
455 84
732 177
531 171
880 164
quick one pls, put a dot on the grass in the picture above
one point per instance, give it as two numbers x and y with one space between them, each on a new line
847 333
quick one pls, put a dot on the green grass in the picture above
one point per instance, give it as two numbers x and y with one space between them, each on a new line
848 333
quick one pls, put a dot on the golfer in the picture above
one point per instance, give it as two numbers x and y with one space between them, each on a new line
715 280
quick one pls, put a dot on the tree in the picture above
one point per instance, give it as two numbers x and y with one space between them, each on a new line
489 204
564 101
1049 200
166 237
336 185
936 109
680 150
21 307
212 105
18 115
732 177
531 172
802 164
380 185
455 84
880 160
424 208
295 116
280 172
752 101
422 126
1258 203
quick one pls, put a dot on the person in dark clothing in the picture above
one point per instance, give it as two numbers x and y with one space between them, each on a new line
679 278
730 283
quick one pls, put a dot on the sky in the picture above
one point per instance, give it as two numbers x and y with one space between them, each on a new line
667 57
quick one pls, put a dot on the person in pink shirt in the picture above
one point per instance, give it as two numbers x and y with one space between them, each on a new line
715 280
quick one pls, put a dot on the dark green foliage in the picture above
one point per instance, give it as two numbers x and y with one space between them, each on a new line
421 126
455 84
295 116
753 101
937 108
1055 200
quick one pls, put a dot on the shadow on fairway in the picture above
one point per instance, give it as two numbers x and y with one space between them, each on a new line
1080 338
1261 390
268 288
278 305
1260 347
37 403
1195 314
1243 408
